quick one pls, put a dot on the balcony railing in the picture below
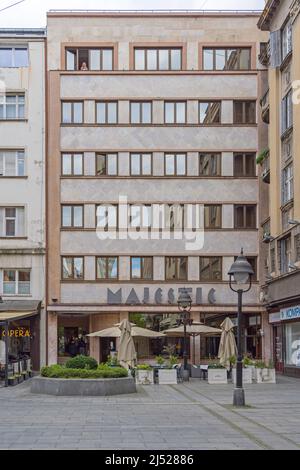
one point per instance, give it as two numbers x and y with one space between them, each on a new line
265 107
266 168
265 53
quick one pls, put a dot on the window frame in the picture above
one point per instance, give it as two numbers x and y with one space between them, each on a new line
73 279
157 49
244 113
225 49
175 103
17 281
17 106
106 278
211 227
141 155
287 184
211 278
107 228
141 104
175 155
142 226
245 226
245 156
13 55
17 157
177 278
72 103
219 163
107 155
72 226
16 218
142 277
72 174
210 103
287 112
107 103
88 49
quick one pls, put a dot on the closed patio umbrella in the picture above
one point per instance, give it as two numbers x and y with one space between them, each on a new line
126 353
228 346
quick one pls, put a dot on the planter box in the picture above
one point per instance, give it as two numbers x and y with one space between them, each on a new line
13 382
266 376
217 376
167 376
144 377
20 379
247 375
83 387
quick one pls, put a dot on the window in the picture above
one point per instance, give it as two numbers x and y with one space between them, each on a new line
286 40
12 163
140 217
210 268
72 164
244 112
210 164
13 57
107 217
72 216
175 112
210 112
287 112
107 112
12 223
297 247
292 342
107 268
158 59
85 59
245 216
212 216
141 112
72 268
284 254
227 59
244 164
174 217
16 282
176 268
72 112
287 184
142 268
107 164
141 164
175 164
12 107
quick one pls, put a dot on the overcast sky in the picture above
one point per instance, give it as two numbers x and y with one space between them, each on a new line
32 13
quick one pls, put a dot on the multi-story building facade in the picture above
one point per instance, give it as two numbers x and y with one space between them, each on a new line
282 172
150 114
22 191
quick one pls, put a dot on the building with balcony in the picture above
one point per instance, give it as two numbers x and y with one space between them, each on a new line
282 228
22 192
152 130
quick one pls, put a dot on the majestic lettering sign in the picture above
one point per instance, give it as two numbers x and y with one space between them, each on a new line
160 297
291 313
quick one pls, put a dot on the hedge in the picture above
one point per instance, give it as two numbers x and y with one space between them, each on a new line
59 372
82 362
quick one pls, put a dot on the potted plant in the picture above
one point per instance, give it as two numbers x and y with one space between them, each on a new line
168 374
217 374
247 371
144 374
12 381
160 361
265 373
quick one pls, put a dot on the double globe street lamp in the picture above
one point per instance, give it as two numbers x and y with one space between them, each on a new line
185 305
240 281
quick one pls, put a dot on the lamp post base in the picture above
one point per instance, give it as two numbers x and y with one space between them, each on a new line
186 375
238 397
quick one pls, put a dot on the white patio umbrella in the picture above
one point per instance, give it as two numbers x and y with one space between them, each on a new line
127 353
136 331
228 346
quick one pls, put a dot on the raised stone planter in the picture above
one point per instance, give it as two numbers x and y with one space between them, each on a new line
217 376
83 387
266 376
247 375
144 377
167 376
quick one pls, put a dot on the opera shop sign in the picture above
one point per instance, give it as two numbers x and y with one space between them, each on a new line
18 333
160 296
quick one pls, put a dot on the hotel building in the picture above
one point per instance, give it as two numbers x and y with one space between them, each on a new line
281 173
150 113
22 192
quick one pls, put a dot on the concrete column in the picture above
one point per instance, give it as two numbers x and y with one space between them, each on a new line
227 164
267 346
158 112
94 342
89 112
89 164
123 112
227 112
52 338
192 55
192 112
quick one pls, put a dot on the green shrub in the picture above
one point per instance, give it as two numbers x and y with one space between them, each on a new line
216 366
59 372
260 365
160 360
143 367
82 362
112 361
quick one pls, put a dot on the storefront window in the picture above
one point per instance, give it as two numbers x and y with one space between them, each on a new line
292 351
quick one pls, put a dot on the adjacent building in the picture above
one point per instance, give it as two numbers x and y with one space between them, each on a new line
281 172
22 192
151 118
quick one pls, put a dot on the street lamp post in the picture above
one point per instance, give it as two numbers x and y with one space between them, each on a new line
185 305
240 275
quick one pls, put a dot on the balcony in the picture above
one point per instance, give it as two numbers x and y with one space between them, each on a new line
263 160
265 108
265 54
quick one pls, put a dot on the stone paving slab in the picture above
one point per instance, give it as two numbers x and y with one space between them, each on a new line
189 416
